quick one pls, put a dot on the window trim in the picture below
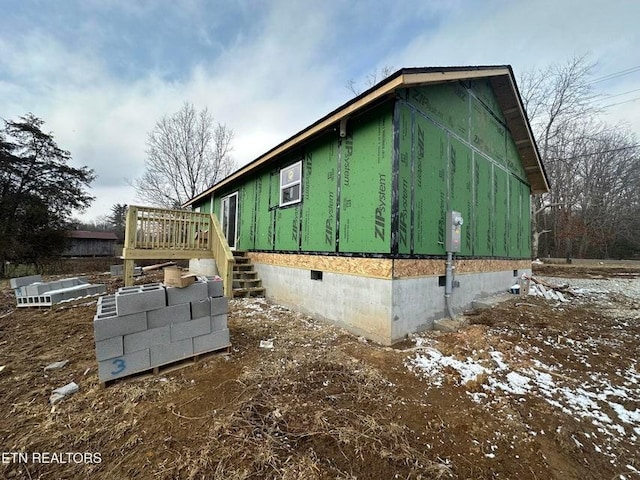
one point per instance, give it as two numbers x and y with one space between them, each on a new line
284 186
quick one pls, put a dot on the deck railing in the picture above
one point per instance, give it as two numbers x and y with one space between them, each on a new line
159 229
223 255
156 233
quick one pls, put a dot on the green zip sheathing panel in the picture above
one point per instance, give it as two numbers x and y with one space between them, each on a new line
365 189
487 134
482 91
319 196
501 213
455 153
513 160
205 206
515 216
405 180
263 237
288 228
447 104
461 188
216 207
525 214
484 206
430 189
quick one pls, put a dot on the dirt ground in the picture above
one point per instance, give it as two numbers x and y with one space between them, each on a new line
531 389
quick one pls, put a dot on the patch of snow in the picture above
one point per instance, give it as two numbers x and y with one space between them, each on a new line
625 415
432 361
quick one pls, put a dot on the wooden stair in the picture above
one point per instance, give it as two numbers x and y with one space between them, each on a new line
245 279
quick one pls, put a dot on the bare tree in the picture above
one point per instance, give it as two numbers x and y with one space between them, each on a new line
371 79
554 97
590 164
186 153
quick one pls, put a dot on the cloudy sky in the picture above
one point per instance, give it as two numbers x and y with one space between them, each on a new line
101 73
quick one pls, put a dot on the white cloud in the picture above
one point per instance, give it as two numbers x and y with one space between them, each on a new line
282 67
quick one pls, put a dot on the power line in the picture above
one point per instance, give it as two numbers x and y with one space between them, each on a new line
613 75
629 147
606 97
620 103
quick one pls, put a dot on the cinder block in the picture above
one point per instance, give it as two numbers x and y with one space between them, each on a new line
192 328
70 282
117 270
56 285
109 348
142 299
215 287
24 281
219 322
168 315
192 293
107 300
52 298
36 289
124 365
112 326
77 291
201 308
147 339
96 289
104 311
161 355
132 288
211 342
219 306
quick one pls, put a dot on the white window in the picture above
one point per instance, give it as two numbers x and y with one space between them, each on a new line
291 184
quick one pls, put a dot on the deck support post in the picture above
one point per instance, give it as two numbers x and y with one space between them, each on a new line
128 272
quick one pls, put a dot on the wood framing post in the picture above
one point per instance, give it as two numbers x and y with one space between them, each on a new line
128 272
129 244
222 255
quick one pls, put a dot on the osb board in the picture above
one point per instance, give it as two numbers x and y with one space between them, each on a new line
424 268
364 267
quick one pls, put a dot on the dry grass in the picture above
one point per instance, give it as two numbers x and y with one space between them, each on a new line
291 414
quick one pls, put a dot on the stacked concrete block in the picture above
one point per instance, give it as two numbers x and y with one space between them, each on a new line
24 281
140 298
147 326
33 292
215 286
118 271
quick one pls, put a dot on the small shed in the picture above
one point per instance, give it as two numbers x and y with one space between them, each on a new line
83 243
347 220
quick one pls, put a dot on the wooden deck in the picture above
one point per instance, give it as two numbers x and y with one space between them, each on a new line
158 234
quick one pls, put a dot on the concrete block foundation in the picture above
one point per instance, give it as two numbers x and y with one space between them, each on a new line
384 310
